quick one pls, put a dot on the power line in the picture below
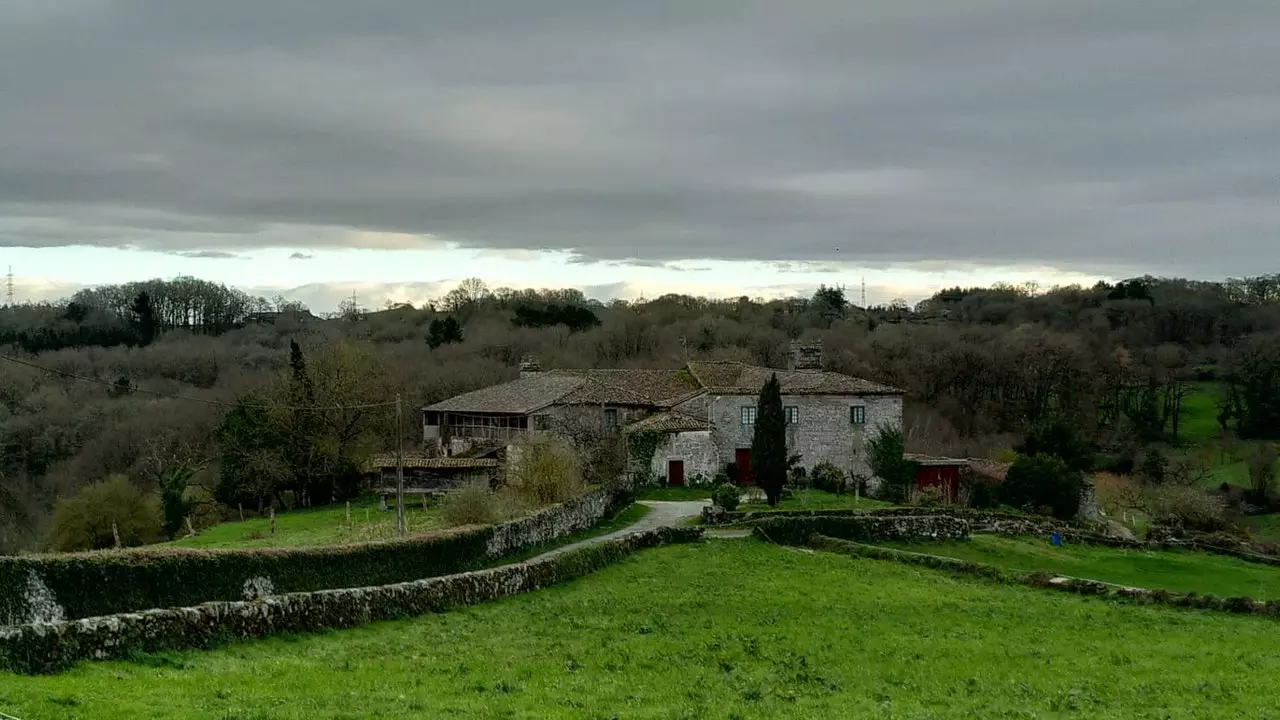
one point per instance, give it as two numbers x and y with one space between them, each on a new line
189 398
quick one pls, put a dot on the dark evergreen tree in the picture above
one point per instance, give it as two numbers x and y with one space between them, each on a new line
145 323
769 444
443 332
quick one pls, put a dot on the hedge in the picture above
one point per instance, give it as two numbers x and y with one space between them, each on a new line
51 647
1047 580
866 528
80 585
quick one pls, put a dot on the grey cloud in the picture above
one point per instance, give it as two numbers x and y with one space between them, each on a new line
1089 134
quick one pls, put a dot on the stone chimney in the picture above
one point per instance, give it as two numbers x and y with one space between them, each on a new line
806 356
529 367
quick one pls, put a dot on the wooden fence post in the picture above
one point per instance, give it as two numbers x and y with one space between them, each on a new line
273 520
115 533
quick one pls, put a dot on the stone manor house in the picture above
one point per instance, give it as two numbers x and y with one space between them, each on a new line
702 415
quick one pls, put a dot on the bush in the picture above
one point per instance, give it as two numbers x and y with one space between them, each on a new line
544 470
85 521
1187 508
1043 482
474 504
828 478
885 452
1155 466
727 496
1262 474
984 493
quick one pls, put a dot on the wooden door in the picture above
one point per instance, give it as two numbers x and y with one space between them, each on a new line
742 458
675 473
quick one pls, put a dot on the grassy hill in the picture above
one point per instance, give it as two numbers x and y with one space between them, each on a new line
723 630
1168 570
316 526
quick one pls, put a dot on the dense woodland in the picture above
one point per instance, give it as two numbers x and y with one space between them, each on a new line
982 366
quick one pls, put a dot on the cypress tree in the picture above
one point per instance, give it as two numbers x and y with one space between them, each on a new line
769 443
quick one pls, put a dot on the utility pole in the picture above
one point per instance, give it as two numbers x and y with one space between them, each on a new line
8 295
400 526
864 292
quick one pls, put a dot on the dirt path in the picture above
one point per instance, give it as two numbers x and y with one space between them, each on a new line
661 514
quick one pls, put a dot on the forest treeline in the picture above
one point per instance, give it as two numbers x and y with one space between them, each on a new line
982 366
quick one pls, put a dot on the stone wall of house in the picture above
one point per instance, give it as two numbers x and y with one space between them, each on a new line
696 449
574 417
823 433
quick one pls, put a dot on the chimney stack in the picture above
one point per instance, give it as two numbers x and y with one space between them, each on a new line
806 356
529 367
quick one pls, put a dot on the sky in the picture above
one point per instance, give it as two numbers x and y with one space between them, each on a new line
316 148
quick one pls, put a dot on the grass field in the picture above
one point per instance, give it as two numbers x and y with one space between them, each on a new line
817 500
316 526
672 494
1167 569
1199 421
728 629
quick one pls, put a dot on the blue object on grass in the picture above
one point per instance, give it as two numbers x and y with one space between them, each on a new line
1055 539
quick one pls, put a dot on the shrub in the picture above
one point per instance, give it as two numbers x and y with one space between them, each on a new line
474 504
1043 482
827 477
984 493
886 451
1262 474
85 521
545 470
1061 438
1187 508
1155 466
727 496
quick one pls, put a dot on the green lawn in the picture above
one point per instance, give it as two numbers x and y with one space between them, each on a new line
1199 421
673 494
1178 571
1265 527
817 500
726 629
316 526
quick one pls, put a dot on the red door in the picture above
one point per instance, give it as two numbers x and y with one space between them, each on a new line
742 459
675 473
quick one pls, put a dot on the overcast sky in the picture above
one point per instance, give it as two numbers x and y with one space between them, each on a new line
636 147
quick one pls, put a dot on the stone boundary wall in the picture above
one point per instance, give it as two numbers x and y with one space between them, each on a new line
866 528
985 522
51 587
1047 580
51 647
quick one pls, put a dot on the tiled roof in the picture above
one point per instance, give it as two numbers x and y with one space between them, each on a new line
417 460
519 397
671 421
650 388
989 468
659 388
933 459
737 378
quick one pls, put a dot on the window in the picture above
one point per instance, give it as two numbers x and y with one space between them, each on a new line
793 414
858 415
611 417
748 415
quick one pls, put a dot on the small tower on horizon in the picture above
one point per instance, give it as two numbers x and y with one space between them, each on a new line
864 291
8 288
